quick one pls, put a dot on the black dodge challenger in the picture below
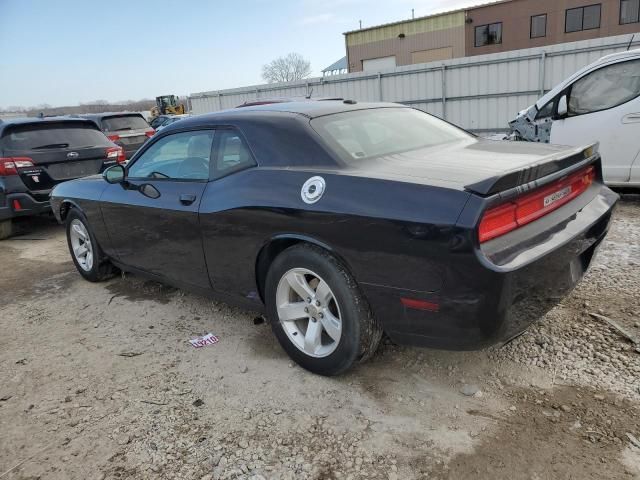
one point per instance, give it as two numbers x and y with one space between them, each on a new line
344 220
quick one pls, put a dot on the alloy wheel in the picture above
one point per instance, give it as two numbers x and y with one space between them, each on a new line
309 312
81 245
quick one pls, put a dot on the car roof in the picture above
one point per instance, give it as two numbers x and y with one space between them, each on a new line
267 100
614 56
307 109
314 109
4 124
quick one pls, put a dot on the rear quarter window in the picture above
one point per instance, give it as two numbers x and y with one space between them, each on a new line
124 122
62 135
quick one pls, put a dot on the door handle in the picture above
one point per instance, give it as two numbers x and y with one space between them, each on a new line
187 198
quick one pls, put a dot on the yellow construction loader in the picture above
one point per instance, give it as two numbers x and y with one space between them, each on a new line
167 105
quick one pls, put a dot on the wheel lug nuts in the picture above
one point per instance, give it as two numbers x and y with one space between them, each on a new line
306 309
317 303
321 315
308 299
314 319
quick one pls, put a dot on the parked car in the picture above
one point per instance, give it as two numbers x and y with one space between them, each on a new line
170 120
599 103
127 129
38 153
159 120
342 220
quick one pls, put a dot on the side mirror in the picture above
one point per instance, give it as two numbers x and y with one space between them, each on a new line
562 107
114 174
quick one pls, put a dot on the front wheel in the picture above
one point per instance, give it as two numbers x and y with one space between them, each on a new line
318 312
87 256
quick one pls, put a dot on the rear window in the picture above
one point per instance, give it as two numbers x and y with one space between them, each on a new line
124 122
364 134
52 135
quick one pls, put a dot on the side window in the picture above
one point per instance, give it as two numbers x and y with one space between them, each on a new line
182 156
232 153
546 111
605 88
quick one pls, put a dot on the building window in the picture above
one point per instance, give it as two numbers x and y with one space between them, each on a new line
489 34
582 18
629 11
539 26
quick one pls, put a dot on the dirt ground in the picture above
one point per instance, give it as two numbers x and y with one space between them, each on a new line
99 381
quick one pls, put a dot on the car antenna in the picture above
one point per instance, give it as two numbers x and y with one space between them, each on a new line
630 42
308 97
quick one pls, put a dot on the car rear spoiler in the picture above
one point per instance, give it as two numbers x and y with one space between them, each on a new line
521 180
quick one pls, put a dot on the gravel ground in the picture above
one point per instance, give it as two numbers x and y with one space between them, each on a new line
579 348
99 381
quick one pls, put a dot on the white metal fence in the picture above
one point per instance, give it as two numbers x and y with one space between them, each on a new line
479 93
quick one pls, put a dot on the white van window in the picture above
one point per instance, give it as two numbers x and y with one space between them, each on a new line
546 111
605 88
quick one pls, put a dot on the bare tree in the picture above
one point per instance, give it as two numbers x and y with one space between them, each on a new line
286 69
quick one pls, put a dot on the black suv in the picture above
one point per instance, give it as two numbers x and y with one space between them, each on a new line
38 153
127 129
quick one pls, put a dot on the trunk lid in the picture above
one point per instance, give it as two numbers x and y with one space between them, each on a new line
59 151
127 130
484 167
54 167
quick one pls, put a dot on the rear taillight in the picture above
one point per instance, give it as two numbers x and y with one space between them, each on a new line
525 209
113 138
117 154
150 133
10 165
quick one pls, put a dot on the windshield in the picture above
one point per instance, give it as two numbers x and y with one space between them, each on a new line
364 134
51 135
125 122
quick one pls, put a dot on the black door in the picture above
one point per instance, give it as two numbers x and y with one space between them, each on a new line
152 218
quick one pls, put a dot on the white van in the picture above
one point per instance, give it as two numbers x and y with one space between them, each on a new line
600 103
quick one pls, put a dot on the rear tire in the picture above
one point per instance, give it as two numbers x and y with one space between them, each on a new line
85 252
317 311
6 229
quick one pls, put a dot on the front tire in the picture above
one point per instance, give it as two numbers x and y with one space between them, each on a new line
87 256
317 311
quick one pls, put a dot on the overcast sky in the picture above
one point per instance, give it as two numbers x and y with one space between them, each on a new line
64 52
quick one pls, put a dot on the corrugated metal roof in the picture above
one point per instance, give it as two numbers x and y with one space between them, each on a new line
433 15
339 65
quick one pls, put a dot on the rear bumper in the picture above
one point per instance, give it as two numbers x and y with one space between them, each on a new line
483 303
27 206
